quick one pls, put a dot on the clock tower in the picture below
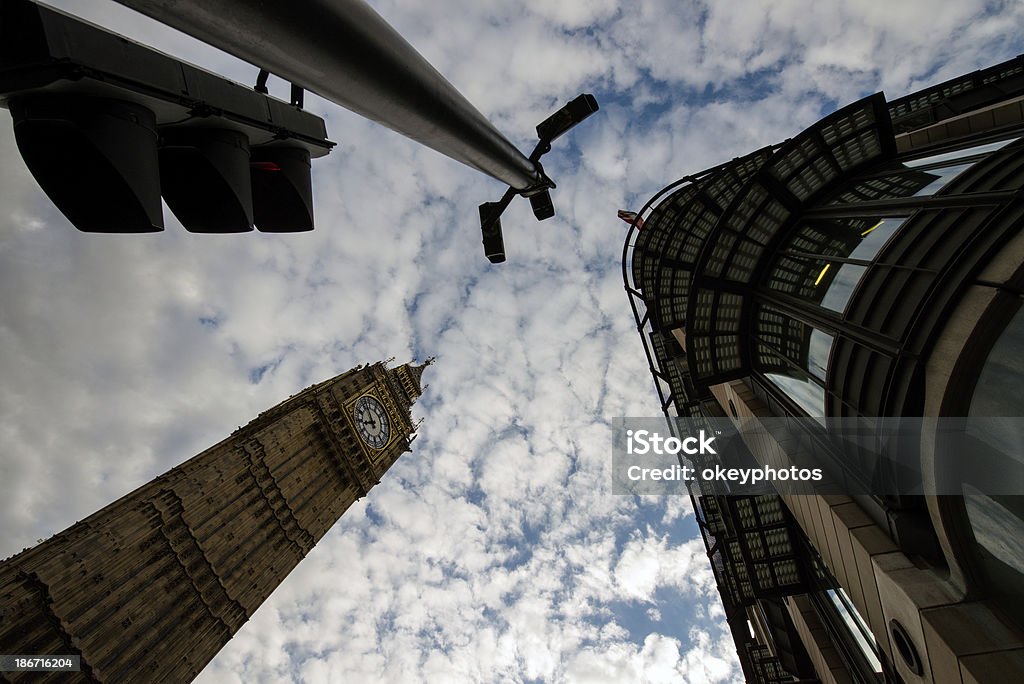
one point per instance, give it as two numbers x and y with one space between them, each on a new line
152 586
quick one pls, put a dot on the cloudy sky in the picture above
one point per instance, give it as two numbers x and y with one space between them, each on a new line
495 551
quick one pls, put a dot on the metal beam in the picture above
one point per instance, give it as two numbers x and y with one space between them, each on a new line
345 52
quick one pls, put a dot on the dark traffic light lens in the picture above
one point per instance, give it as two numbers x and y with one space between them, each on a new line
96 159
542 205
205 177
490 226
282 189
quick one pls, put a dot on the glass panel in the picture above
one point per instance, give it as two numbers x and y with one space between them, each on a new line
808 395
998 390
841 288
781 336
997 527
997 393
792 381
998 521
818 352
901 182
829 284
822 280
874 237
830 238
959 154
913 179
857 627
942 177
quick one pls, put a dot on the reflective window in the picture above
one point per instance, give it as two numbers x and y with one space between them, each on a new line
799 387
818 352
959 154
793 356
815 264
998 390
874 237
899 183
840 288
942 177
827 283
997 526
857 627
998 521
917 177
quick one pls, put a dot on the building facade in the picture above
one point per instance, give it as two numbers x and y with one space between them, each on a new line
870 266
152 586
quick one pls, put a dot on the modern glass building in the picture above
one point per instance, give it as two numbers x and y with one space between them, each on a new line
872 265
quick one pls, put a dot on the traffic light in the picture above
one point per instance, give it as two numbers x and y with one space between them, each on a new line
490 226
205 178
96 158
542 206
282 189
567 117
550 128
108 126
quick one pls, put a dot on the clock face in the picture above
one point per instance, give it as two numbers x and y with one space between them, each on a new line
371 422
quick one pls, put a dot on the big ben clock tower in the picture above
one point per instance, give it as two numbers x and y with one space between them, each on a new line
152 586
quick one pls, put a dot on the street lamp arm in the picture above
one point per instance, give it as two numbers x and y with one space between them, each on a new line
345 52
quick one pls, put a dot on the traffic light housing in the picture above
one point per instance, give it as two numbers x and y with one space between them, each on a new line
95 158
490 226
206 180
567 117
107 126
282 188
542 206
552 127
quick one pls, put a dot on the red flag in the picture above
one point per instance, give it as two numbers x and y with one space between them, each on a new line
629 217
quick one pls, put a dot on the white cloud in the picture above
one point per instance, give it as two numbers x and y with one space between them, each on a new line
648 563
495 550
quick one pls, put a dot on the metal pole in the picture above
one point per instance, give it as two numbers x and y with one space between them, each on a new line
345 52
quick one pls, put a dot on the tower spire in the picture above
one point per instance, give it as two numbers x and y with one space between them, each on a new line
409 377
